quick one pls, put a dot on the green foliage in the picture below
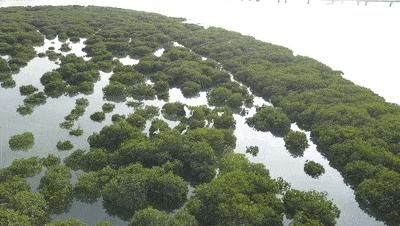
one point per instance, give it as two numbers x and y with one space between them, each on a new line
135 188
229 95
67 222
22 141
115 90
65 47
51 160
8 83
33 205
75 75
25 109
88 189
253 150
199 162
221 140
313 205
27 90
73 161
79 110
64 145
190 88
76 132
373 195
157 126
136 120
11 186
56 188
296 143
25 167
313 169
233 161
354 128
93 160
270 119
173 111
35 99
11 217
117 118
111 137
237 198
98 116
108 107
142 151
154 217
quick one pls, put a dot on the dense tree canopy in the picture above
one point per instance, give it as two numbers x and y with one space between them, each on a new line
56 188
355 129
270 119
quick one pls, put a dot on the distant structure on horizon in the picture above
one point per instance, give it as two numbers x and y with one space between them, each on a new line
357 1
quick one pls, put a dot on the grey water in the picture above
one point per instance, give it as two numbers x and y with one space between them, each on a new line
44 123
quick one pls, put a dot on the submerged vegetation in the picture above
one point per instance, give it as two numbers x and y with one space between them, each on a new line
356 130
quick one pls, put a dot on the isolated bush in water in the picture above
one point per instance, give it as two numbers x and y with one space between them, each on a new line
296 143
22 141
108 107
98 116
270 119
64 145
313 169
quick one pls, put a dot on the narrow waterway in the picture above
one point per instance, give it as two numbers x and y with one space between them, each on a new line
44 123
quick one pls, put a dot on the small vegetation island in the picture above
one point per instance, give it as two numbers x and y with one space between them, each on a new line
313 169
296 143
22 142
188 174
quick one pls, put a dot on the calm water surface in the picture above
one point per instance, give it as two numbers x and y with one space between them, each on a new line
44 123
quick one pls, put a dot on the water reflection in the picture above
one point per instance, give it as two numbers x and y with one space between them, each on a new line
44 123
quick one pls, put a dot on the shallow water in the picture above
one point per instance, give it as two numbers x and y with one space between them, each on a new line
44 123
358 40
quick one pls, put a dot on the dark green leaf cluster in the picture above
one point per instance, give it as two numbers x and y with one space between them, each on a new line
65 47
347 122
56 188
108 107
296 143
74 76
312 206
241 195
202 116
229 94
132 188
64 145
355 129
253 150
98 116
22 141
173 111
79 110
270 119
154 217
313 169
27 90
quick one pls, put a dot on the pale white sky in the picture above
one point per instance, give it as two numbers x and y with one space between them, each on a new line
363 42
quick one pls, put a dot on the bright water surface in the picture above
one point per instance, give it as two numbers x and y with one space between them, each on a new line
46 118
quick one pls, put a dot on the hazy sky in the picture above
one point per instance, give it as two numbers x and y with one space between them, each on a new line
363 42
